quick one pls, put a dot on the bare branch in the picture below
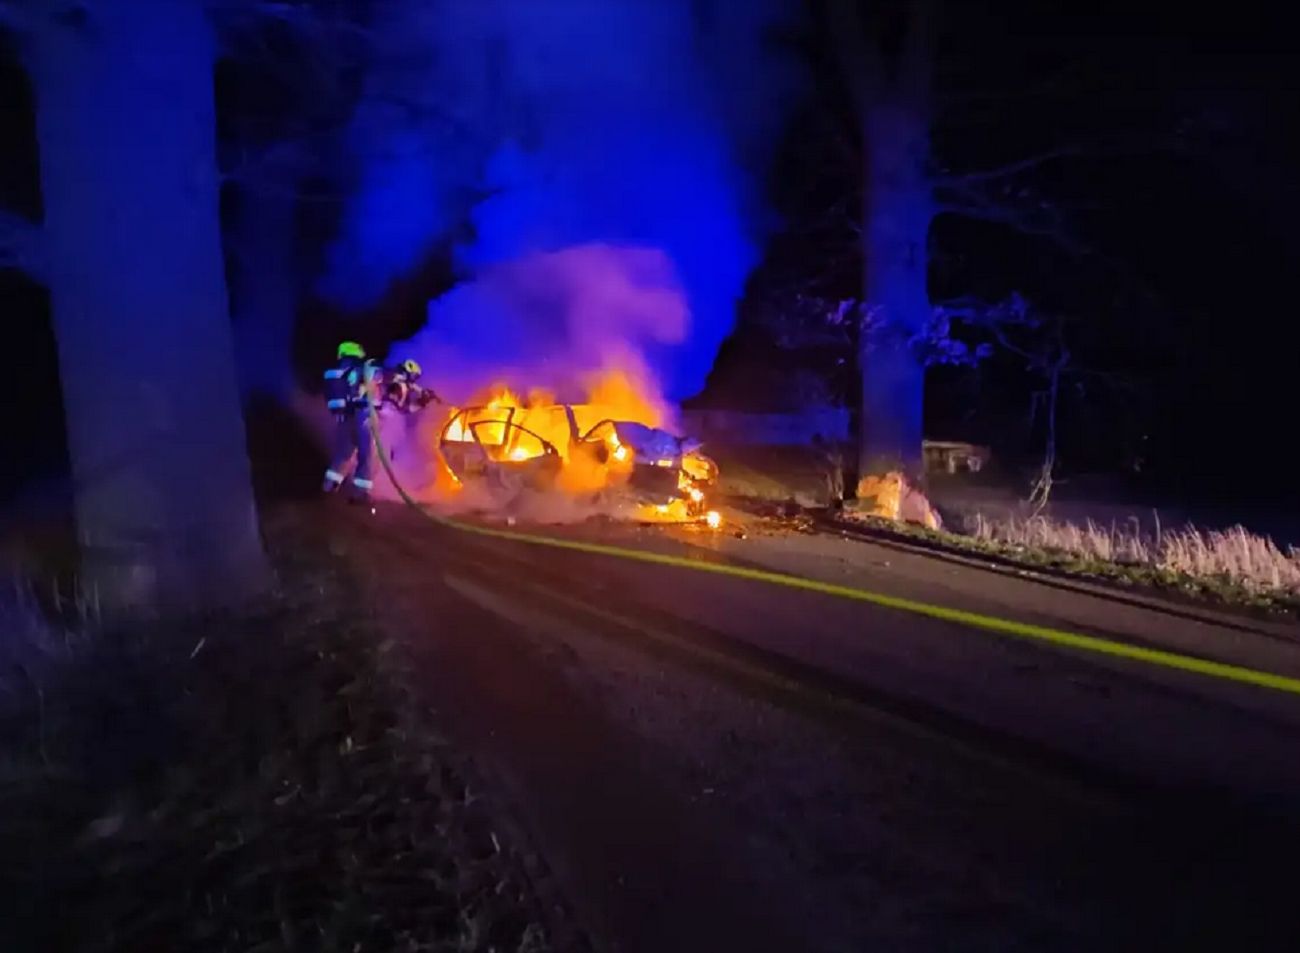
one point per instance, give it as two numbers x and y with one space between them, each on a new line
1040 220
974 196
1100 149
947 180
995 318
22 245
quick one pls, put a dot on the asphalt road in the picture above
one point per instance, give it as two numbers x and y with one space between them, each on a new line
717 763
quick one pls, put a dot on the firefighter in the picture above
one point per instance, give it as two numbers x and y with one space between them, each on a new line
402 391
350 392
407 398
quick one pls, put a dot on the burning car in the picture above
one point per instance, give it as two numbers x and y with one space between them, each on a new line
581 450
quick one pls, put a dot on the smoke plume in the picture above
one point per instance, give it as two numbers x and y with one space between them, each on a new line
594 148
554 321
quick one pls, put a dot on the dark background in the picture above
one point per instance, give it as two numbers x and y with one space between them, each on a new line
1186 289
1182 197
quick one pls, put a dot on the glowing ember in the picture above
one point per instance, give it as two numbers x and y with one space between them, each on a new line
713 518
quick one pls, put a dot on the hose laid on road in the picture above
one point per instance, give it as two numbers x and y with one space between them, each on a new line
1006 627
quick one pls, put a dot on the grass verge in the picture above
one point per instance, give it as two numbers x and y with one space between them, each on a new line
1231 567
261 782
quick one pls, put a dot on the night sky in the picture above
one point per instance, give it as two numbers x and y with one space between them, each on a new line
1188 289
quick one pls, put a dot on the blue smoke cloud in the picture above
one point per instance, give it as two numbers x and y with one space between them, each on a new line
612 128
398 213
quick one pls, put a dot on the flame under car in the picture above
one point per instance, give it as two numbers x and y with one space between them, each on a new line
512 449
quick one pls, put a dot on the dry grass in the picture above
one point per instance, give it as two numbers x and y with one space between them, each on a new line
261 782
1234 556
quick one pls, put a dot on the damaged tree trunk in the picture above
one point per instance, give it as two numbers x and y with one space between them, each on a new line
125 119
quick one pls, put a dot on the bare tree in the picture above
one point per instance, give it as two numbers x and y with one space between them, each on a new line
1043 343
886 62
1049 358
293 76
890 86
130 248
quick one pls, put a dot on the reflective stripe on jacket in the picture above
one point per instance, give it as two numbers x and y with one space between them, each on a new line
349 386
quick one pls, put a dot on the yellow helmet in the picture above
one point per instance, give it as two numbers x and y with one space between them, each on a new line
412 368
351 349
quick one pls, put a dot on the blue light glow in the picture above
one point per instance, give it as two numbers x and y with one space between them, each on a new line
610 125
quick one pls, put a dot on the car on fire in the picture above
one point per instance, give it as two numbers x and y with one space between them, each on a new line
510 449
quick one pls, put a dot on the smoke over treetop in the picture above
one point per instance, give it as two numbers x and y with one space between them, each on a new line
596 123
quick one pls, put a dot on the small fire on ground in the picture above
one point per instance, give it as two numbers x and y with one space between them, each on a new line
611 453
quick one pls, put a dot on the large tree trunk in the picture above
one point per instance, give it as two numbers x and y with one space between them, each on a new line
264 291
125 117
896 224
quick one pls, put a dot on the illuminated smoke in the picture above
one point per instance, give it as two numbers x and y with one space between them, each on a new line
554 321
618 224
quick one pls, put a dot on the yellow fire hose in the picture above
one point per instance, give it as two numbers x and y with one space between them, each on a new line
1005 627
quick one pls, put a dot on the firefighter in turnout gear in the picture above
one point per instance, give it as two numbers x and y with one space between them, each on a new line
351 396
403 393
403 399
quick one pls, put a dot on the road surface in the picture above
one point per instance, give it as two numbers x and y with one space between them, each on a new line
718 763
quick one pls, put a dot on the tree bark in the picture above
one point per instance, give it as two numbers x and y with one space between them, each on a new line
264 291
125 119
896 224
891 91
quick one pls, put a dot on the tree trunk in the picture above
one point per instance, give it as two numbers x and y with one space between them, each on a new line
125 118
898 211
264 291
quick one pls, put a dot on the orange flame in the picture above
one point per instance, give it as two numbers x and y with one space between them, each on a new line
499 427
